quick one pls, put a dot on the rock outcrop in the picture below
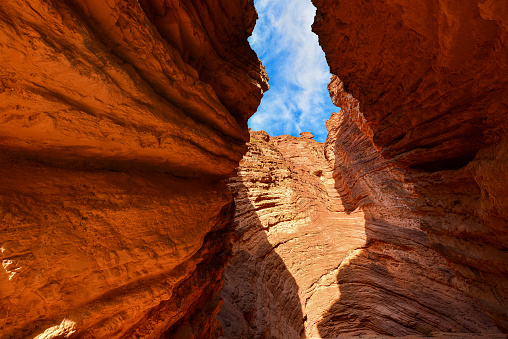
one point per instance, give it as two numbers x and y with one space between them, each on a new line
431 83
316 258
119 121
291 234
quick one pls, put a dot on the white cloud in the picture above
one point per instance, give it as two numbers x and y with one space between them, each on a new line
298 99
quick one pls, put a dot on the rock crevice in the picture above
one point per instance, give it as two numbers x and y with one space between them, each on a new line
333 228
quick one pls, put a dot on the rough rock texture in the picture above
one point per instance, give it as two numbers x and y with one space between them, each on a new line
431 82
396 284
118 121
291 234
308 262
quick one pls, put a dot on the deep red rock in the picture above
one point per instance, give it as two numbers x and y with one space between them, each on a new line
114 141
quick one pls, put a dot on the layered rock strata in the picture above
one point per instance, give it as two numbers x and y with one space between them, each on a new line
291 234
316 258
431 83
396 284
119 120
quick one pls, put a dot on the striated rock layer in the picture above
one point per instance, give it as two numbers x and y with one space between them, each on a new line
118 121
431 82
291 234
316 258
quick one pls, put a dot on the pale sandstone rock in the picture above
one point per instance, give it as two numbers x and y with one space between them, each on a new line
291 234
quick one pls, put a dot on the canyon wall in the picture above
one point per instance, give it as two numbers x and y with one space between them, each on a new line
430 79
287 244
119 121
327 244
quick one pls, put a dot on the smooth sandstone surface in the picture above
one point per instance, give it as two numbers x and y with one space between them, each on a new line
115 140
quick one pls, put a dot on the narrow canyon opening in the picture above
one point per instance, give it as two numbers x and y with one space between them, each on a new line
333 240
136 203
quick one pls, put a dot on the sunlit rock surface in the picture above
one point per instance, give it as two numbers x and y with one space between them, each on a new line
431 82
118 122
291 235
315 258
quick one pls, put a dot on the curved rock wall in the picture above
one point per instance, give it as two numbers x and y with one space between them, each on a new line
114 139
431 82
396 284
291 234
316 258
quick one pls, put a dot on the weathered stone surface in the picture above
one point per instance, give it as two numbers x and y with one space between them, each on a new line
291 234
114 139
430 76
212 36
316 258
431 82
395 284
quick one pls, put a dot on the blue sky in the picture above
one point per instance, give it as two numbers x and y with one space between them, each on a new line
298 100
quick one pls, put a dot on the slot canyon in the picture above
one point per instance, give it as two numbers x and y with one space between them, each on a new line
135 202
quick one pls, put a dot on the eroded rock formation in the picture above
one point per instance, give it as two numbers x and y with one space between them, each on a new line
291 234
396 284
431 82
316 258
119 120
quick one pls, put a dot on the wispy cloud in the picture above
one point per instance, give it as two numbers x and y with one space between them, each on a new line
298 100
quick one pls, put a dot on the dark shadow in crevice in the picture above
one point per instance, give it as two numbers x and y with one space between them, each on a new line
260 295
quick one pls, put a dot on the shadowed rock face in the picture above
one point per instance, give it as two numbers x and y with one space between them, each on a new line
430 76
291 234
395 284
431 79
315 258
118 122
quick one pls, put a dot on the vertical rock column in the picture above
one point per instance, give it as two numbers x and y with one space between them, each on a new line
291 235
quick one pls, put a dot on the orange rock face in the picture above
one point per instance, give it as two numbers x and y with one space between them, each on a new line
431 83
315 258
118 122
121 122
430 76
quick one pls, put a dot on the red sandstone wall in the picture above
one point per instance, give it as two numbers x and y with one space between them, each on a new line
430 78
114 138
